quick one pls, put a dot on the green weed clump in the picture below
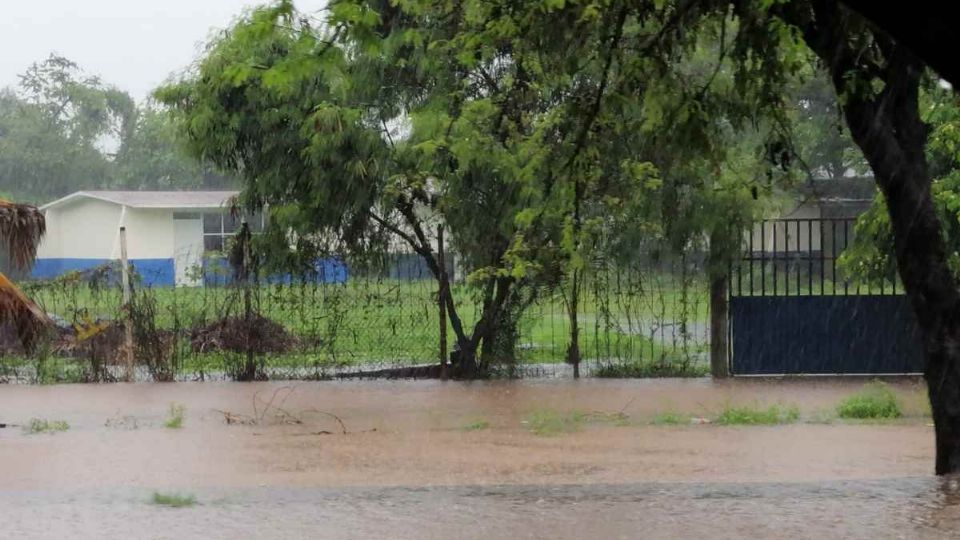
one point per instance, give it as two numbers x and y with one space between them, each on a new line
670 419
758 416
650 370
476 425
173 500
40 425
175 416
546 423
876 401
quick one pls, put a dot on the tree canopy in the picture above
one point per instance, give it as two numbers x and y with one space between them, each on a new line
543 137
62 130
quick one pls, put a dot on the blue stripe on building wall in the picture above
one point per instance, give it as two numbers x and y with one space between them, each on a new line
216 271
153 272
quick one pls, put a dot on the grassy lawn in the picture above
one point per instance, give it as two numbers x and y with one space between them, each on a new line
396 321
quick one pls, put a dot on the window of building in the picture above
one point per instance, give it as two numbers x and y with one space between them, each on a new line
219 226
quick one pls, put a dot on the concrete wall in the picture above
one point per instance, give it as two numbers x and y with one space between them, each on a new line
149 234
84 229
84 233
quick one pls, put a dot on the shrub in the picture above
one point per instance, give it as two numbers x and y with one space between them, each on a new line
39 425
547 423
175 416
650 370
875 401
752 416
477 425
670 419
173 500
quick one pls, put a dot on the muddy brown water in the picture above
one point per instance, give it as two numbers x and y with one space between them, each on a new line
408 468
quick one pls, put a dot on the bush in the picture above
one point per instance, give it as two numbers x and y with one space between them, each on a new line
173 500
876 401
651 370
670 419
546 423
477 425
750 416
175 416
39 425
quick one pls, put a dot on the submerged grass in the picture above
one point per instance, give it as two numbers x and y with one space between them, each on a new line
547 423
758 416
40 425
175 416
875 401
476 425
173 500
670 419
648 370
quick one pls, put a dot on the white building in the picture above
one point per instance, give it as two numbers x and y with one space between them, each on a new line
168 232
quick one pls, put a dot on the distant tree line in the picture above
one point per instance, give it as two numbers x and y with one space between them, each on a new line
62 130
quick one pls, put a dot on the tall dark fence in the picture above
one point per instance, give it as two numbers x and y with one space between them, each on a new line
792 310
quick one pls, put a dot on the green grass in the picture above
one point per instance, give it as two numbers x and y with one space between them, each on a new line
40 425
173 500
754 416
476 425
641 370
670 419
175 416
548 423
875 401
390 321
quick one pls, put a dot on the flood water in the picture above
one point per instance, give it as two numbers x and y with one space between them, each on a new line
409 466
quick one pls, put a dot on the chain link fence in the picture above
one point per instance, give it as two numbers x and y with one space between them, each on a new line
647 319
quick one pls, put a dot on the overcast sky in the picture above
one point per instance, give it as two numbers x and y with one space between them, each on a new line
131 44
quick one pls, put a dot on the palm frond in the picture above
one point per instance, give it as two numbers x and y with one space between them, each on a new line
21 227
26 317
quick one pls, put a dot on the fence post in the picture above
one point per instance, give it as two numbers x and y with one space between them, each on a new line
442 302
127 313
719 321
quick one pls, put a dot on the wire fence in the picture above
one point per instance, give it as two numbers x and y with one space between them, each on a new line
647 319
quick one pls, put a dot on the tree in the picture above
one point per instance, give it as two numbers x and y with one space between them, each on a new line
493 143
820 137
63 130
872 258
332 172
38 161
79 106
21 227
152 157
878 81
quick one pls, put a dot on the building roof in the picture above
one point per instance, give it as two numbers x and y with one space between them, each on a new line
153 199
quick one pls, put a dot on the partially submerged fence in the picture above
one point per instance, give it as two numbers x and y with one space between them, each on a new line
646 319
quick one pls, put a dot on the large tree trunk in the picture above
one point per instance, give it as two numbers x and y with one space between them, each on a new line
719 316
931 288
888 128
893 138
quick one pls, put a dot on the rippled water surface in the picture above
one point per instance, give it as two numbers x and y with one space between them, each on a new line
404 463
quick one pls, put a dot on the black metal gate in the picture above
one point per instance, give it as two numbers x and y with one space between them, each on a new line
793 312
